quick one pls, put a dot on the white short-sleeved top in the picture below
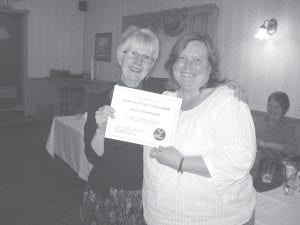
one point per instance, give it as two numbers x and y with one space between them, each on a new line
221 130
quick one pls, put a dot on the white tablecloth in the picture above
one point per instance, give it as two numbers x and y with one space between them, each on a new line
66 141
275 208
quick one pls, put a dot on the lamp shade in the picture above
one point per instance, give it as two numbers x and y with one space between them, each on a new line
268 28
262 33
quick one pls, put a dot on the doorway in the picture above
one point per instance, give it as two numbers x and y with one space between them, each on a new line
12 59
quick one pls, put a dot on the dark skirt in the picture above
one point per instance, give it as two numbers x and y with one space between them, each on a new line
119 208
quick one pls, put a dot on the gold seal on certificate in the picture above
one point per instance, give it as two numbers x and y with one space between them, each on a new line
143 117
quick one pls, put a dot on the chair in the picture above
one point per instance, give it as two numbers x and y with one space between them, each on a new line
71 101
92 91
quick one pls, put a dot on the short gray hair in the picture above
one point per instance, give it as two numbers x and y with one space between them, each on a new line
137 35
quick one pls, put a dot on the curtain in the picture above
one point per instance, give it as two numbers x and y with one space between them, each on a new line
172 22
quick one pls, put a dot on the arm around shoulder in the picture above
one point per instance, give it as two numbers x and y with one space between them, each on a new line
233 153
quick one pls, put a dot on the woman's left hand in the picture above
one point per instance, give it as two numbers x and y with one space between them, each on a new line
168 156
239 91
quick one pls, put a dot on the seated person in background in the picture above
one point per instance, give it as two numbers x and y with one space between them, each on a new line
275 137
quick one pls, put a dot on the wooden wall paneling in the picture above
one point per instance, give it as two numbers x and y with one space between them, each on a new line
243 57
55 34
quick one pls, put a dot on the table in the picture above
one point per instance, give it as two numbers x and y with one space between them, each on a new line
66 141
275 208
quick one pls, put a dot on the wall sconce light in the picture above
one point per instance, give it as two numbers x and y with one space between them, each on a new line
268 28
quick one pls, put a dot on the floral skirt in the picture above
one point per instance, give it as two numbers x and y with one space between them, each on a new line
119 208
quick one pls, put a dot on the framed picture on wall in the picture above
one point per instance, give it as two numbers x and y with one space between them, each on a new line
103 47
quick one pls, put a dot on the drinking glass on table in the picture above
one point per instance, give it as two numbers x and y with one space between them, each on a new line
268 171
289 179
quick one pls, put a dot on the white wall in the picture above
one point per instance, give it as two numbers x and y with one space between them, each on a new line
55 35
258 66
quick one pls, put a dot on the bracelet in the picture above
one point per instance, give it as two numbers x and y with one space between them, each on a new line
180 165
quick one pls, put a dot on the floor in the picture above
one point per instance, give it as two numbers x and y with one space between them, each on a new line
35 189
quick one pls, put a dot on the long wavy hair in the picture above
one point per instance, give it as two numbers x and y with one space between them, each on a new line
180 45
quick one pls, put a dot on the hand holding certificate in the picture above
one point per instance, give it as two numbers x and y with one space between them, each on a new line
143 117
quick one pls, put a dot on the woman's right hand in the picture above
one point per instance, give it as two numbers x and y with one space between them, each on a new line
102 115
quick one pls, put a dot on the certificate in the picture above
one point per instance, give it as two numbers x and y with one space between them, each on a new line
143 117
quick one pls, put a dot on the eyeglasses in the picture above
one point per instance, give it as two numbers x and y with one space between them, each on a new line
136 56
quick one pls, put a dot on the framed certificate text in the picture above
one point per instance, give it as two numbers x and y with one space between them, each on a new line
143 117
